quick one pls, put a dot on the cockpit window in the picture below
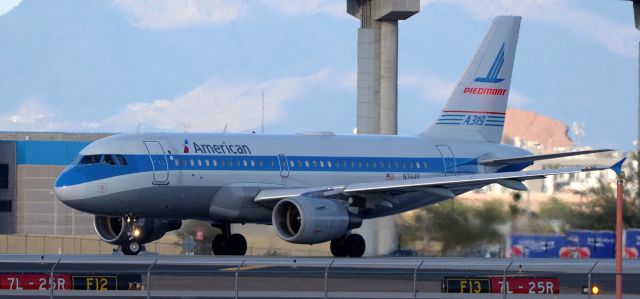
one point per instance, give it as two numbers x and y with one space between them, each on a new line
90 159
121 160
108 159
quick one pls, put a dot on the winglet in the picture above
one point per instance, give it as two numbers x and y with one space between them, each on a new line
618 166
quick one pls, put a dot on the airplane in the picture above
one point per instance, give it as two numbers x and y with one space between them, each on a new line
312 187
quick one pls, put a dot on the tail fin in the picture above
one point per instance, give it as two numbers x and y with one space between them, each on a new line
477 106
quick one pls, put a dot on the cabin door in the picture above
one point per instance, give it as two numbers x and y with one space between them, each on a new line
158 162
448 160
284 166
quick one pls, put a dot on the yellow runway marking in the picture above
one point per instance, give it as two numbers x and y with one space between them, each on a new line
250 267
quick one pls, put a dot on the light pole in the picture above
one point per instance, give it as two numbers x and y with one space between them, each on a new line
617 168
619 235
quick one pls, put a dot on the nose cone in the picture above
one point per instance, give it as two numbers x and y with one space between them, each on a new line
70 187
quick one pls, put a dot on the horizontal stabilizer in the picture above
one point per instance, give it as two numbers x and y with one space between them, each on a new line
517 160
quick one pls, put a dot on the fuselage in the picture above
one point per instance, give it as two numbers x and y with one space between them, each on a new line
215 176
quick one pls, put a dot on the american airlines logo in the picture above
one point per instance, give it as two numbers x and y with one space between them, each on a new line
496 66
489 91
222 148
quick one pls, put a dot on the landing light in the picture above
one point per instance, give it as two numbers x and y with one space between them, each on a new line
136 232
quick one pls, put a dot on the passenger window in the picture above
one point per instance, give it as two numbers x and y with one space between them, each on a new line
121 160
359 164
425 164
306 164
177 162
300 163
199 163
253 163
108 160
366 165
410 165
292 163
329 164
322 164
215 163
192 162
206 162
418 165
315 163
260 164
245 163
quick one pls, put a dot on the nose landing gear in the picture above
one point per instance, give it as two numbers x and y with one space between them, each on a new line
132 246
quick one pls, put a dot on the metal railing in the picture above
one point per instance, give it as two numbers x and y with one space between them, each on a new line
237 277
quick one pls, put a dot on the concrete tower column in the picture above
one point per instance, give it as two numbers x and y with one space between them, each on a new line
377 105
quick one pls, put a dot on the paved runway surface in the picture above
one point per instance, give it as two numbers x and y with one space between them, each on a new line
273 277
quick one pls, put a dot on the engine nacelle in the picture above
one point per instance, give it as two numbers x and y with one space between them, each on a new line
114 230
308 220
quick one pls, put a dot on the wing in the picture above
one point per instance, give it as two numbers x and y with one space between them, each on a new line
447 186
532 158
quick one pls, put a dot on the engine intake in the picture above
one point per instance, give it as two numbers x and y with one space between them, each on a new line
114 230
309 220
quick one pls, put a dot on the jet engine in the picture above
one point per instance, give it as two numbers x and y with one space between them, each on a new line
114 230
308 220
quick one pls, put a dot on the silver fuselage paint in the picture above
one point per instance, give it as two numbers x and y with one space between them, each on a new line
191 187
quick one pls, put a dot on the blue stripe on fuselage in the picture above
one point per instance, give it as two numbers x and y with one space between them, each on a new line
142 163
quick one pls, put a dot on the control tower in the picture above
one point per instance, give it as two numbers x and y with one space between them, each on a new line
377 108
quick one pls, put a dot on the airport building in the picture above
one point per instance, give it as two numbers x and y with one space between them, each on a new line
29 165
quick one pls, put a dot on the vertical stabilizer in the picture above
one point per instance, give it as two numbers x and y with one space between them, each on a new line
477 106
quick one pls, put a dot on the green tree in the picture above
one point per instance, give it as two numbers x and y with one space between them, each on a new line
460 227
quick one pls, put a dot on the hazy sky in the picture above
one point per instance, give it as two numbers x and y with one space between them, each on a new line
102 65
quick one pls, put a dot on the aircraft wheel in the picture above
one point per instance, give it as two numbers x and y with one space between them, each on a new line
236 245
218 245
354 245
131 248
337 247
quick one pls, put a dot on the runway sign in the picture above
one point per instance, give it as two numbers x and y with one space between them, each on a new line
95 282
493 284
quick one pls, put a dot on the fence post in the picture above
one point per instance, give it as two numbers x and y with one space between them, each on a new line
237 272
415 279
504 281
326 274
149 278
589 278
52 282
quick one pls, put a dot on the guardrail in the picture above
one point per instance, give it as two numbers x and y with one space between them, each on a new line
237 277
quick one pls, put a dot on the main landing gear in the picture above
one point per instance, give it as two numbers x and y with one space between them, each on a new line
352 245
131 246
227 243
